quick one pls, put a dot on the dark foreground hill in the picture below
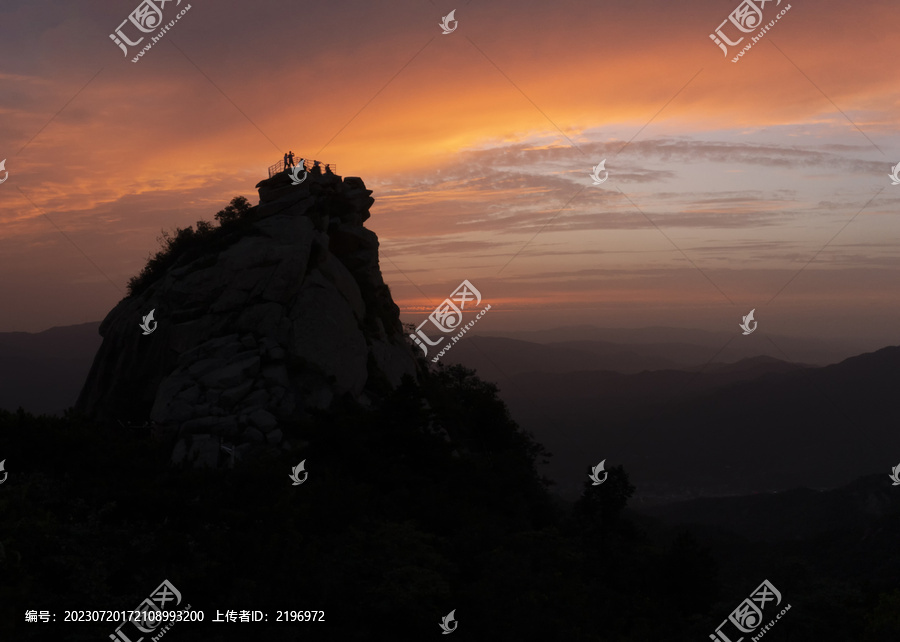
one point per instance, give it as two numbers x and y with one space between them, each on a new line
824 550
398 525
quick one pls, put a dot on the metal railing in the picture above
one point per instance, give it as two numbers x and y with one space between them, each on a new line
307 164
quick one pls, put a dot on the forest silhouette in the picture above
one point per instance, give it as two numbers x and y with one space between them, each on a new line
394 527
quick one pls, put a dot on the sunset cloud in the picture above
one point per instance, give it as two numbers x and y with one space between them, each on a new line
477 144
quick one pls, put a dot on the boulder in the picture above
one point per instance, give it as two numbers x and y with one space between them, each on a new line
278 317
232 395
204 452
263 420
252 435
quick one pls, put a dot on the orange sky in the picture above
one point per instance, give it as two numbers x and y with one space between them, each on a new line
738 174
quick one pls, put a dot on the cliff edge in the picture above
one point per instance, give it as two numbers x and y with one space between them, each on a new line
280 317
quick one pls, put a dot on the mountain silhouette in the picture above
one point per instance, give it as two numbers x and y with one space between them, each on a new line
693 346
801 513
748 427
281 311
44 371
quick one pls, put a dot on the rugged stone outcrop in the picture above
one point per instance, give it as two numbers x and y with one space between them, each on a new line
283 316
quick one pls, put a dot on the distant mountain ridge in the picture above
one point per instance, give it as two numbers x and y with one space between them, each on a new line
43 371
754 426
71 342
40 371
660 334
718 428
689 346
794 514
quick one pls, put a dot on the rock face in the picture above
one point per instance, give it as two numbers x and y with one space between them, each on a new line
284 316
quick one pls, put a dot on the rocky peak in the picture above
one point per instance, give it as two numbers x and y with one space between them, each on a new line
279 317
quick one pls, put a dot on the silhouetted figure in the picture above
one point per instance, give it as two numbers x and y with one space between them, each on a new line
316 169
286 165
328 169
291 157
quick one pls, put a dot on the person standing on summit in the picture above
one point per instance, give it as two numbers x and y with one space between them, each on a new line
291 157
286 166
